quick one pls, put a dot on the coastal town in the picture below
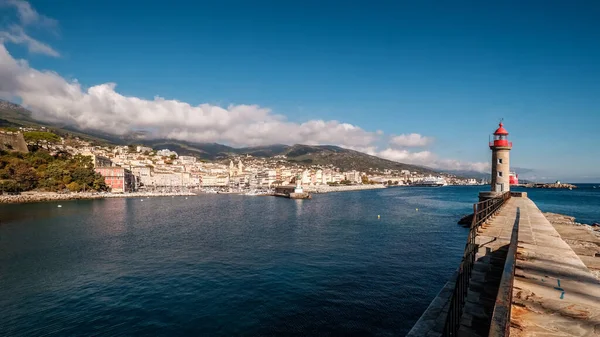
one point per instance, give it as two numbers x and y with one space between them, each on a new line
137 168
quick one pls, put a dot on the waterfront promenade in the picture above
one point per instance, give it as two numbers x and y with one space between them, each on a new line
553 292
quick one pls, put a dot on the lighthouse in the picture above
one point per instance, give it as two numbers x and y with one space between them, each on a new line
500 147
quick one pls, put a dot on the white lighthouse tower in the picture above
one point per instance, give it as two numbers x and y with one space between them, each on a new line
500 147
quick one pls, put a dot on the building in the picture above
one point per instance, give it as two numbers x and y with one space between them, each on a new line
513 178
118 179
100 161
143 149
240 169
186 160
166 153
215 180
500 147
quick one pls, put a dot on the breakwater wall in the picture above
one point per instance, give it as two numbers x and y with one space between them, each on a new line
525 279
341 188
28 197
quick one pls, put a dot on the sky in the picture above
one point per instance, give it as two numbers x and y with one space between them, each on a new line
423 82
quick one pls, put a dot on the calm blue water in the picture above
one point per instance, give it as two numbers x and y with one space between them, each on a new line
583 203
224 265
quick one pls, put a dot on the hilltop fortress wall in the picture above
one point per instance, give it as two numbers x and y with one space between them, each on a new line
12 141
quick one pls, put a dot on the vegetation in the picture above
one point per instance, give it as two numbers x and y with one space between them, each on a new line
40 170
41 138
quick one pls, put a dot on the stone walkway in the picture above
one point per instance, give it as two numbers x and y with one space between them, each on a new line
554 293
493 239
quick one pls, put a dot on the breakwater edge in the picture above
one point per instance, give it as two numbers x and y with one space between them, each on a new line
29 197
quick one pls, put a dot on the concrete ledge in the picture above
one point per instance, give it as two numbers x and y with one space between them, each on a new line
485 195
433 320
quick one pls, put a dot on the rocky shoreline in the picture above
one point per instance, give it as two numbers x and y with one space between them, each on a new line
583 239
29 197
552 185
340 188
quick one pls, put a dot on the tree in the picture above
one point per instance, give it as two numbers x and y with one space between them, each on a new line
25 176
364 179
99 183
74 187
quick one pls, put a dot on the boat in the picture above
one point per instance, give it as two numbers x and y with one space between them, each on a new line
431 182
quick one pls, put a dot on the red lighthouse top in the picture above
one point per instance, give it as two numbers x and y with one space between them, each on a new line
501 130
501 138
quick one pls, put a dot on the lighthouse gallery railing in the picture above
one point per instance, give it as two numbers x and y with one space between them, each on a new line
481 212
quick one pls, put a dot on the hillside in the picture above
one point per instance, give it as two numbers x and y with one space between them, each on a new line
14 115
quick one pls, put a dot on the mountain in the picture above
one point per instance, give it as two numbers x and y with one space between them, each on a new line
471 174
14 115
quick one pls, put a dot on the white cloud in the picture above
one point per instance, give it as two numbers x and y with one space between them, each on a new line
28 15
410 140
17 35
405 156
429 159
101 107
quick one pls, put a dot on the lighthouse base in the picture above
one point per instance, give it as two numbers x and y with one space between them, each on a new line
489 195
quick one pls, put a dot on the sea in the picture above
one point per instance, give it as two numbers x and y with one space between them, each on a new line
362 263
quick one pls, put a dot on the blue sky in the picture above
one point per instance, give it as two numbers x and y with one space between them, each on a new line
445 71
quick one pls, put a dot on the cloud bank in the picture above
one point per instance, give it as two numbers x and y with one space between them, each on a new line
411 140
53 98
100 107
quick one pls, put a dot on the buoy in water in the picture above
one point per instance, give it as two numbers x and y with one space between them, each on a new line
141 199
378 216
59 206
186 197
417 209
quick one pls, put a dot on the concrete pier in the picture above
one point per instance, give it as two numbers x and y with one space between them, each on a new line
554 293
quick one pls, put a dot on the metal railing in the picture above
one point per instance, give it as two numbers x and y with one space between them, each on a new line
500 325
481 212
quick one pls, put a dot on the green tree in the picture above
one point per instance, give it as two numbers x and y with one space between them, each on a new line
74 187
25 176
